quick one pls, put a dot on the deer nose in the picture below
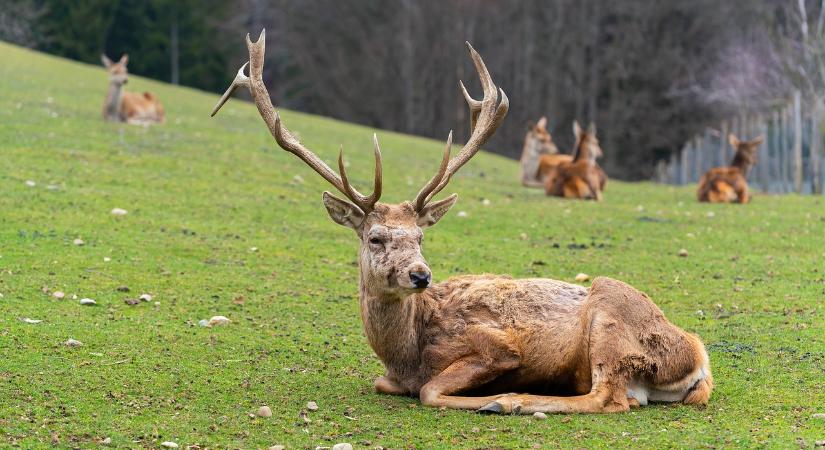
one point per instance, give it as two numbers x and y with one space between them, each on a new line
420 279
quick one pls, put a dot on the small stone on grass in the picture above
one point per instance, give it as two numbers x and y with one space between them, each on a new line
119 212
819 416
342 446
73 343
312 406
58 295
264 411
582 277
31 321
78 242
145 297
539 415
683 253
217 321
462 214
277 447
87 302
169 444
30 183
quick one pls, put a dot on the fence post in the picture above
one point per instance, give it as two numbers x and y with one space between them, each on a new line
721 157
683 166
697 158
797 142
764 177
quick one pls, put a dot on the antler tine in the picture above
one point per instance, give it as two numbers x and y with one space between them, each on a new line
240 80
486 115
424 194
285 139
366 203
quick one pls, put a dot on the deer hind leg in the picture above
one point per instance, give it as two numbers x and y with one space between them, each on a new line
613 361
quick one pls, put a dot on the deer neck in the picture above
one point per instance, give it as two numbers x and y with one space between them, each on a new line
111 106
741 163
394 326
583 153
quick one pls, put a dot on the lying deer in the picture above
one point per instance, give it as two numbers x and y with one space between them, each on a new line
581 177
729 184
468 342
540 155
121 106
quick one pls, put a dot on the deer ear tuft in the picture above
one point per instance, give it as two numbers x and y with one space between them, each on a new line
124 59
733 140
106 61
343 212
758 140
433 212
542 123
577 130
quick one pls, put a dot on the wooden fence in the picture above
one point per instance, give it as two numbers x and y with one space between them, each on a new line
789 160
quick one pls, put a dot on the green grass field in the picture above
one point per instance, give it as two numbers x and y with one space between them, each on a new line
218 225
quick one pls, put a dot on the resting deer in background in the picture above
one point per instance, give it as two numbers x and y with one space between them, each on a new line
729 184
540 155
121 106
576 350
581 177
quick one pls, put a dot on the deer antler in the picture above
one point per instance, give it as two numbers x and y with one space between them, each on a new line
285 139
485 117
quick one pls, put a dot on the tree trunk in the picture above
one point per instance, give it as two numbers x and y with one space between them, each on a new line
816 142
174 53
797 142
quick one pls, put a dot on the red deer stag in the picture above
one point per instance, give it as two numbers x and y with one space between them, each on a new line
122 106
468 342
540 155
580 178
729 184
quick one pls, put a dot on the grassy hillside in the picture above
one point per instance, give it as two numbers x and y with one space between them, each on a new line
218 224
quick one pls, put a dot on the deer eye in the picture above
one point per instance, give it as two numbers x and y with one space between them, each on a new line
376 241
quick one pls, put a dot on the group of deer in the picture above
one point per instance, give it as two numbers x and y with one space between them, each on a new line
472 341
577 175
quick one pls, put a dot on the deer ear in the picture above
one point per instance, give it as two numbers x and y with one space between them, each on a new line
733 140
433 212
542 123
106 61
124 59
343 212
577 130
758 140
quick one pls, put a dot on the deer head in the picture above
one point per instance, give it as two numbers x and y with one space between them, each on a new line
118 73
586 144
746 152
391 262
539 138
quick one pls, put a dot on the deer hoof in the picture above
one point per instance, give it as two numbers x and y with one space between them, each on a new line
491 408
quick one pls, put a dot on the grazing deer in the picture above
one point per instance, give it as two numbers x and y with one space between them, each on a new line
121 106
540 155
468 342
729 184
580 177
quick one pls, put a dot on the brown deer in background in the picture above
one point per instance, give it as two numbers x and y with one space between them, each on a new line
539 155
467 342
729 184
122 106
581 177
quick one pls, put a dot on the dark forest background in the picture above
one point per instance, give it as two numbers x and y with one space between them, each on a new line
649 73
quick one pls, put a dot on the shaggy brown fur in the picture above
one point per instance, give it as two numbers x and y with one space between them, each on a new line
121 106
580 178
729 184
540 155
465 343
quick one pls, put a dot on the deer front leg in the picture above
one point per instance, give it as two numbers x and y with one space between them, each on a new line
387 385
461 375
